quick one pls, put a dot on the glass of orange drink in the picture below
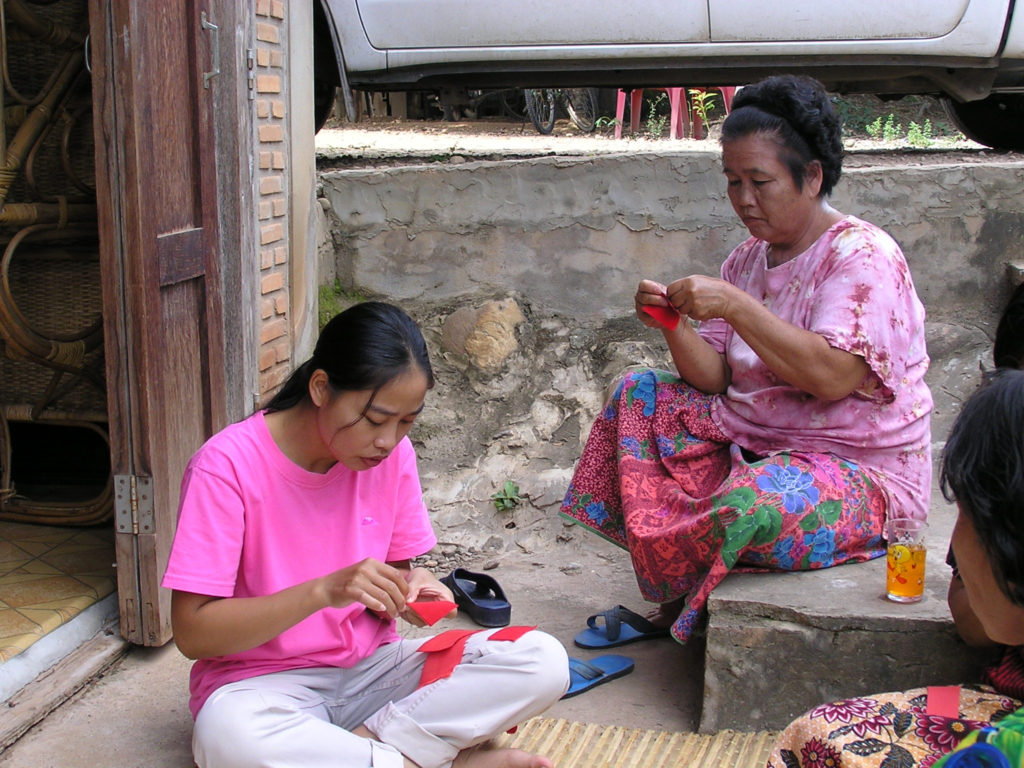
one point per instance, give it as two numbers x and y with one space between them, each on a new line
905 556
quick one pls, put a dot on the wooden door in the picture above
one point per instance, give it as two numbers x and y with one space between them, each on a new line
158 216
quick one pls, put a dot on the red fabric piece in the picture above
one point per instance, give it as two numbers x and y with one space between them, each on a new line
432 611
667 316
445 640
943 701
446 650
510 633
441 664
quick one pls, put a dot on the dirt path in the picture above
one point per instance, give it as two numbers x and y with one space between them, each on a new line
390 141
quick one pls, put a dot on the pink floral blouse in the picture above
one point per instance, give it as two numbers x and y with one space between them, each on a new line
853 287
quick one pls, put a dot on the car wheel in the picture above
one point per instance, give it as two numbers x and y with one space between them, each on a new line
323 102
996 121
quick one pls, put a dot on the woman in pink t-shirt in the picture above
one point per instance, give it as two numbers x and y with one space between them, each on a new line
293 558
797 419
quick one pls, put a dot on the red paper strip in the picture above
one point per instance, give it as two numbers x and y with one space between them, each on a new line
510 633
445 640
441 664
943 701
445 650
432 611
667 316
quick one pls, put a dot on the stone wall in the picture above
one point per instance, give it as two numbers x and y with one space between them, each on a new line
522 272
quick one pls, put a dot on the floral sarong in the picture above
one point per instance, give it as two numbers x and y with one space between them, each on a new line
890 729
658 478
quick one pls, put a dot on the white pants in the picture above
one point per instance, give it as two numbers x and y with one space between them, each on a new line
302 718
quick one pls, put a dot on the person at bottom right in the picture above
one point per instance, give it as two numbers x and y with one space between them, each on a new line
983 472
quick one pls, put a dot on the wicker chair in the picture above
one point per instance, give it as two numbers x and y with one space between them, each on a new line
51 330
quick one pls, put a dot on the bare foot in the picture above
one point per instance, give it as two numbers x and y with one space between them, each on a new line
484 757
665 615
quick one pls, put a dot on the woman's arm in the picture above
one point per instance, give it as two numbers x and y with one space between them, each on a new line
802 358
207 626
698 363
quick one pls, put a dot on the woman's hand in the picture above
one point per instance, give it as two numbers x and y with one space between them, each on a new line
425 587
702 298
649 293
381 587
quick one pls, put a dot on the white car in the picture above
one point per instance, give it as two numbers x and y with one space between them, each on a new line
970 52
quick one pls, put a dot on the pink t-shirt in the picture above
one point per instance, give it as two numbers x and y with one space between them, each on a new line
251 522
853 287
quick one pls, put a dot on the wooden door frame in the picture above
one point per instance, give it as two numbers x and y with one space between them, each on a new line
144 606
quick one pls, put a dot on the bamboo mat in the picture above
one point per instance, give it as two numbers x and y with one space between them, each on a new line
585 745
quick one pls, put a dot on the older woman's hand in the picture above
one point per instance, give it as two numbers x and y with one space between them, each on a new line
649 293
702 297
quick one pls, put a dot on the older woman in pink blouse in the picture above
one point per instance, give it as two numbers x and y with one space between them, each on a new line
797 420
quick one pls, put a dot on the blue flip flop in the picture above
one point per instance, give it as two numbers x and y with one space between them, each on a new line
621 626
584 675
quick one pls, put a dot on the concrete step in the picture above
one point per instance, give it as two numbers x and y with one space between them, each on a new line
779 644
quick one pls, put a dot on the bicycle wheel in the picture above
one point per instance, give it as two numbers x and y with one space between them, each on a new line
513 104
581 104
540 106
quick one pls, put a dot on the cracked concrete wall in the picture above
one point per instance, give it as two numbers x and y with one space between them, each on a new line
568 239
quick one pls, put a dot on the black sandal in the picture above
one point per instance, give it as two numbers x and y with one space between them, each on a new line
480 596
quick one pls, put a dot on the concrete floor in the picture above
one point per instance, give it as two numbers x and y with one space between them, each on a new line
136 715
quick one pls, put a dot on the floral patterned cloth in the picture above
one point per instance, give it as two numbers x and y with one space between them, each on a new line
891 730
658 478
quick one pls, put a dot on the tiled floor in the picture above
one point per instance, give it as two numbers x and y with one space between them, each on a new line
48 575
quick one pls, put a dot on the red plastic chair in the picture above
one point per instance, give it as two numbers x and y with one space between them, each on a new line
683 120
679 125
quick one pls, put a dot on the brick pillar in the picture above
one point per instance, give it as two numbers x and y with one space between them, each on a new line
272 180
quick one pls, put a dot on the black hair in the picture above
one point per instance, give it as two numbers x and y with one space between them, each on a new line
798 113
360 349
1008 349
983 471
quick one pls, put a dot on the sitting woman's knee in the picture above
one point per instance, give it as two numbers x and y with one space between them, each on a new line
552 664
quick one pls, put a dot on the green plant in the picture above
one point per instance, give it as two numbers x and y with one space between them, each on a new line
507 498
655 121
703 102
874 128
890 130
332 299
605 121
920 136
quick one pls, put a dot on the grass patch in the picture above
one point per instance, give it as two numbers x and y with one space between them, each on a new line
332 298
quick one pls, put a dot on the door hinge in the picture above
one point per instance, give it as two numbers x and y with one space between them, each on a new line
133 504
250 63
